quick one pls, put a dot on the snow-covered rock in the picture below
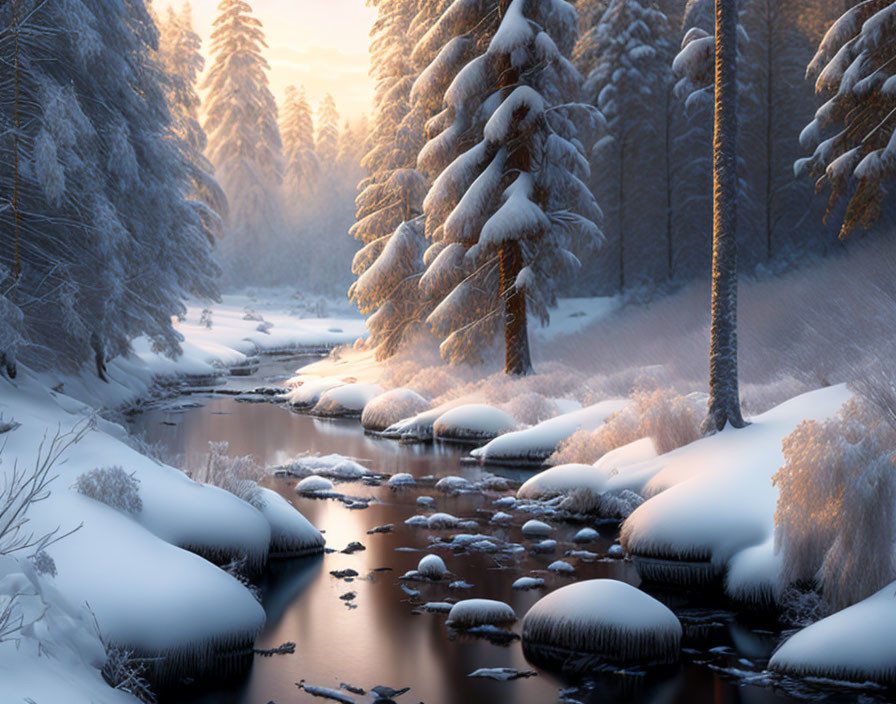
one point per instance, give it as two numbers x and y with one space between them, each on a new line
538 442
401 479
855 644
610 620
333 466
432 567
309 393
348 400
472 423
470 613
536 529
528 583
390 407
313 484
561 567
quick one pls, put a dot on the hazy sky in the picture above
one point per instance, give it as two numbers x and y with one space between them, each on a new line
321 44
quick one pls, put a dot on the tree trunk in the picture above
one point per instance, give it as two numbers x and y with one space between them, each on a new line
622 212
516 335
724 399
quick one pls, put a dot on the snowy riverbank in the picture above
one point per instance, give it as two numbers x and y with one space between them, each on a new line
99 586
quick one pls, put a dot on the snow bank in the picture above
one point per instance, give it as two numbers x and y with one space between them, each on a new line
854 644
309 393
538 442
753 578
607 619
472 423
390 407
348 400
292 535
713 498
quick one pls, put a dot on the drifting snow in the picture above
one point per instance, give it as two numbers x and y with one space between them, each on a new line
348 400
473 422
390 407
713 498
605 618
470 613
854 644
538 442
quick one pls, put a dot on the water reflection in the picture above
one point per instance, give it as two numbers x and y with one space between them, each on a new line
379 637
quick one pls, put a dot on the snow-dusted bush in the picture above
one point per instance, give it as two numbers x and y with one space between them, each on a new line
669 419
238 475
113 487
126 672
835 518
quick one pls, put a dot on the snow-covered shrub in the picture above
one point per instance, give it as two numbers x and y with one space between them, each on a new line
20 488
113 487
669 419
44 563
127 673
238 475
205 318
835 518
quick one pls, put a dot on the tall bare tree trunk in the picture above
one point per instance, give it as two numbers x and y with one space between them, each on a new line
17 265
516 336
724 398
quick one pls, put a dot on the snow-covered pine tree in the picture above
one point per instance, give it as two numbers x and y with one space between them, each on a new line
301 172
181 57
327 140
854 132
390 263
241 123
627 56
109 244
509 196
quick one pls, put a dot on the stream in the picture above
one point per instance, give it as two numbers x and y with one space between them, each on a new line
380 636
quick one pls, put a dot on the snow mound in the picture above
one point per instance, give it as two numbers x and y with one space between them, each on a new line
473 422
348 400
855 644
313 484
470 613
401 479
607 619
388 408
601 488
537 443
292 535
709 500
432 567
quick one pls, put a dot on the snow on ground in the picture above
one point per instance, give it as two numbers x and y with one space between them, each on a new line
709 500
537 443
855 644
136 553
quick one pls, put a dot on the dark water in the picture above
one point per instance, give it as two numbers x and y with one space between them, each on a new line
380 637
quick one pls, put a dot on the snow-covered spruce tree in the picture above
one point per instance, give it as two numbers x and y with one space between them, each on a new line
108 243
509 197
627 54
390 263
180 56
854 132
327 140
301 170
241 123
